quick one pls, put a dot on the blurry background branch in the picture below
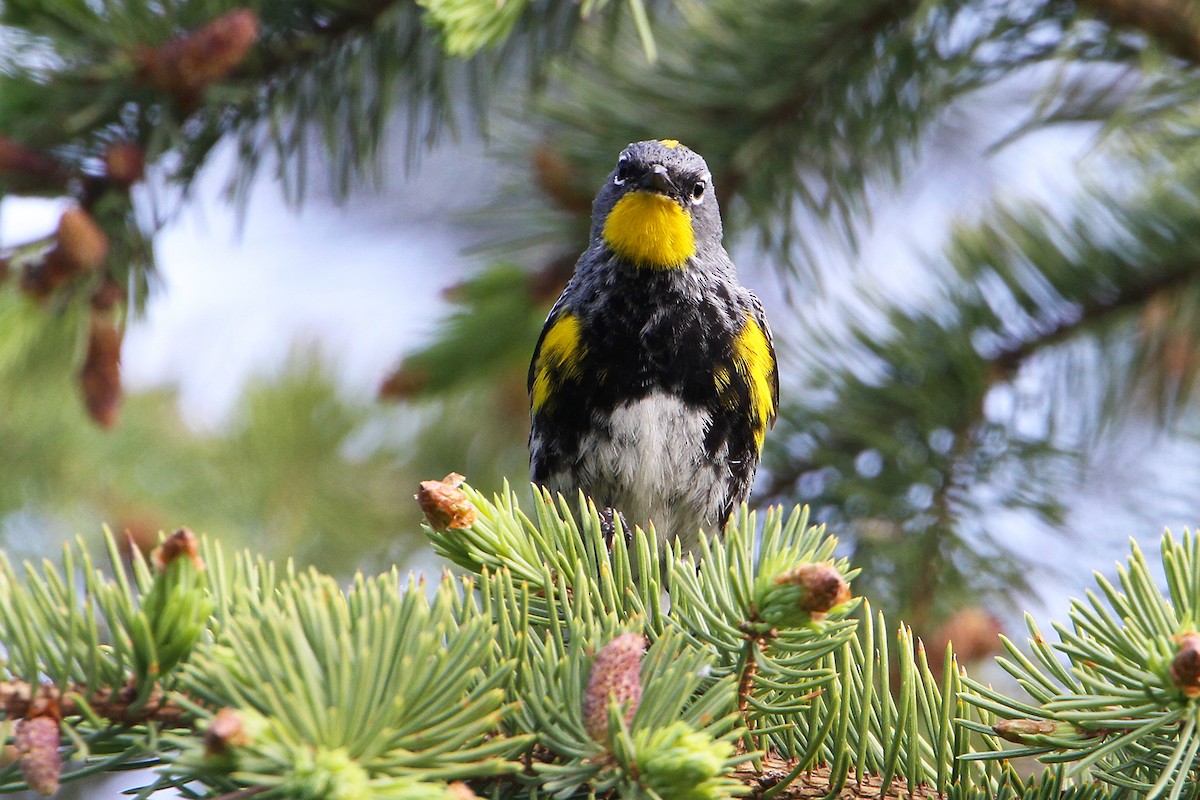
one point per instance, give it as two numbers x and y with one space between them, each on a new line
1173 24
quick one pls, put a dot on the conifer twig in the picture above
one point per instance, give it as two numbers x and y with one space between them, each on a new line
1170 23
818 781
1009 359
17 698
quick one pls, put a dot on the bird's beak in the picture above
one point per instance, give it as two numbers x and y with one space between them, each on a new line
658 180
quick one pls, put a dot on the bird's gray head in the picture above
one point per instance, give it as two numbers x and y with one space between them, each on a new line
657 209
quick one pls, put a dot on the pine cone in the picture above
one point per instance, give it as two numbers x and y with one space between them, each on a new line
616 673
185 66
36 741
125 163
101 374
82 243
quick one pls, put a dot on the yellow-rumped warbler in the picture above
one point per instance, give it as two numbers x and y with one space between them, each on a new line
654 380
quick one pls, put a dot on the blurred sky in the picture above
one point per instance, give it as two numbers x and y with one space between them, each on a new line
363 278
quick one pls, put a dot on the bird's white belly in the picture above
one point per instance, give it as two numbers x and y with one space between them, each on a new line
653 467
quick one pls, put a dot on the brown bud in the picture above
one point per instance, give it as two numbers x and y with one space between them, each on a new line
560 180
405 382
80 241
1157 312
80 246
36 281
140 526
28 169
1179 354
181 544
107 295
460 791
1185 666
616 673
227 729
56 268
822 586
185 66
36 741
444 504
1015 730
456 292
973 632
125 163
101 374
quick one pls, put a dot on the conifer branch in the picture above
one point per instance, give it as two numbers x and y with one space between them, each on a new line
122 706
1170 23
569 681
1095 311
777 779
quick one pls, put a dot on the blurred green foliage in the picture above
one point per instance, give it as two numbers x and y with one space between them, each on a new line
295 472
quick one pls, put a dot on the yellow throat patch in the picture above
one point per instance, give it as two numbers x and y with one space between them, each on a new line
650 230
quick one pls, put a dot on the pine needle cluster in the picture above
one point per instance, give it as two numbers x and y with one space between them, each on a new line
560 664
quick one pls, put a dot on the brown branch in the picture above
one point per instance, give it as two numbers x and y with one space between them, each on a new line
749 669
1010 359
18 698
817 782
1172 24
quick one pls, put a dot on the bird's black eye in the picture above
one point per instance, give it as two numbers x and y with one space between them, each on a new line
623 172
698 191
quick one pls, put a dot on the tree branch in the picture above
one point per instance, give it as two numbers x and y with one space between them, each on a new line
18 698
817 783
1010 358
1172 24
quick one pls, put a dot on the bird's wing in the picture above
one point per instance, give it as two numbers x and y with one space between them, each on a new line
555 312
760 318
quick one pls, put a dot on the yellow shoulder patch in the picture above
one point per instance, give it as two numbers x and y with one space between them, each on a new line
558 358
723 380
670 144
755 363
650 230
